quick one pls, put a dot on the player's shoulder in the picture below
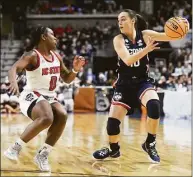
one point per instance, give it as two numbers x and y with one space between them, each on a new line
30 54
147 32
118 38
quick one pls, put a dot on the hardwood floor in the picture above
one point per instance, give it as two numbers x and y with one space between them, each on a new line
84 133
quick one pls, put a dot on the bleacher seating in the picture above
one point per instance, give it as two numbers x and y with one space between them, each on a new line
9 49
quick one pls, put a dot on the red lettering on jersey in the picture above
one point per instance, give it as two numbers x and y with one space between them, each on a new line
55 70
44 71
58 69
51 70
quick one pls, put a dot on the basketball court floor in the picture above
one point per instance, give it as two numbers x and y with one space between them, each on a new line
84 133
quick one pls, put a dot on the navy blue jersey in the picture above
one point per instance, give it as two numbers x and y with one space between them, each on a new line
138 69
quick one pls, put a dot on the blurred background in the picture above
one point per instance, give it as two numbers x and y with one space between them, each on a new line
87 28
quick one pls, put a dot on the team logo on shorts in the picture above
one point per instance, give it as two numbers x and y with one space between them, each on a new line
117 96
47 98
29 97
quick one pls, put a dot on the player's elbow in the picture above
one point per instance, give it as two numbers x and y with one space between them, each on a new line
12 69
129 63
15 68
67 80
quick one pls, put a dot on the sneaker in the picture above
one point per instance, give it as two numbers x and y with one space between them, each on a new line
152 152
13 152
41 159
104 153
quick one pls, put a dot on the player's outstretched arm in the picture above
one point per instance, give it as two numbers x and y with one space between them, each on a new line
157 36
171 30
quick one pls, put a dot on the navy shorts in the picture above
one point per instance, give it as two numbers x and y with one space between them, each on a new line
129 96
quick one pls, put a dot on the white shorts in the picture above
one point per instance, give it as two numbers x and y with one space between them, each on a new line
27 101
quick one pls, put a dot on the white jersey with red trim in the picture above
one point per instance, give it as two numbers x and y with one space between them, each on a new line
44 78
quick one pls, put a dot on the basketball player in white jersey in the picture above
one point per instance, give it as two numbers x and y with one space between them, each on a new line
43 68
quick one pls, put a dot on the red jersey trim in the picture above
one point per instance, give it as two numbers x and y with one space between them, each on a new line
56 55
143 93
37 93
121 104
46 58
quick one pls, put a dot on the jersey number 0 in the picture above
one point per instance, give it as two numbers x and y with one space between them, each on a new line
53 83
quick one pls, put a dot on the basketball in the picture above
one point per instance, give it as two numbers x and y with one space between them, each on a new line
176 27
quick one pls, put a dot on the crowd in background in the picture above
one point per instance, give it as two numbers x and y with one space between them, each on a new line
86 7
156 22
169 9
175 74
72 41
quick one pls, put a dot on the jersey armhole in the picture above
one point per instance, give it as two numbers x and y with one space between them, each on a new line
37 63
141 35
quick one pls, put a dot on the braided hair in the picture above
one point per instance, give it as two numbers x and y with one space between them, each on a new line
36 36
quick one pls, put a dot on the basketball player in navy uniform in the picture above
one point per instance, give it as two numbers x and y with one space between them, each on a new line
133 86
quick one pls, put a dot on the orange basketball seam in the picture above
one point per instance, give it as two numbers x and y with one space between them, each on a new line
173 30
179 26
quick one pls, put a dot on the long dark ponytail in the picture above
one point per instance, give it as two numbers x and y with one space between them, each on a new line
36 36
140 22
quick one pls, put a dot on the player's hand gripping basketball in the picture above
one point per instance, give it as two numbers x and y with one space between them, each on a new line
151 45
78 63
13 88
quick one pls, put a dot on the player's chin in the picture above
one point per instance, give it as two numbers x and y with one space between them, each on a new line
121 30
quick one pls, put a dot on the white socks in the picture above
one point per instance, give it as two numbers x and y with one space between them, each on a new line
46 147
20 142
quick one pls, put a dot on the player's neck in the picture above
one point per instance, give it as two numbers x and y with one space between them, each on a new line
43 50
131 35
